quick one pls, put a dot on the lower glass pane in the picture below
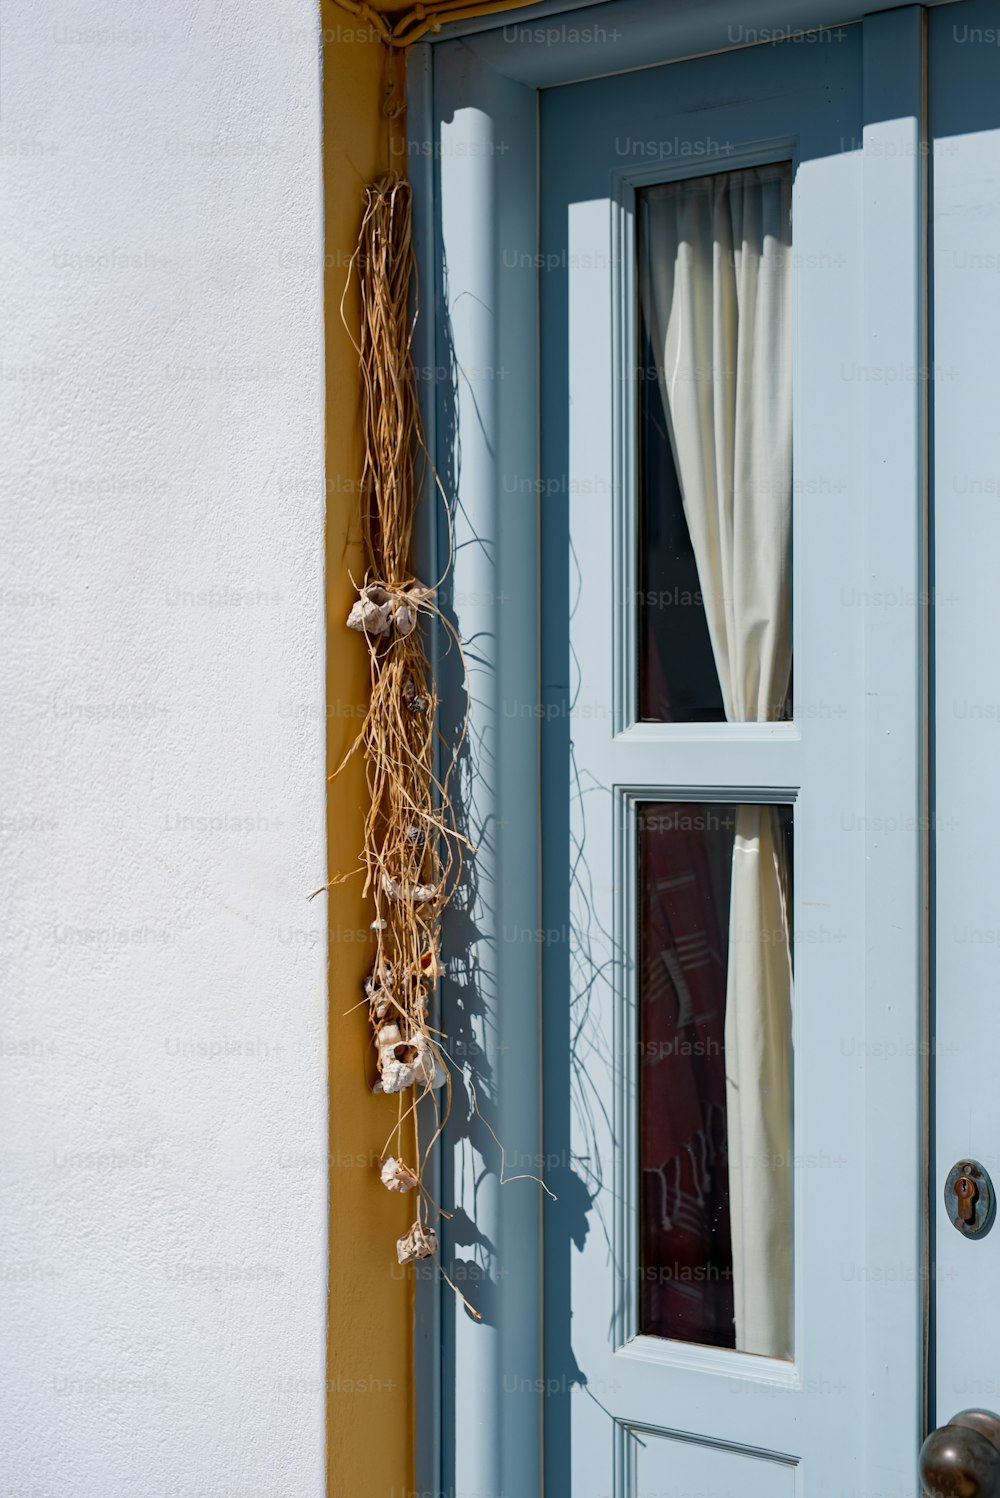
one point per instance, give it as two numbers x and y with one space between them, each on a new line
715 1133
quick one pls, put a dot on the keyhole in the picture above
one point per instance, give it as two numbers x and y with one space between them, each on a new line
969 1198
966 1191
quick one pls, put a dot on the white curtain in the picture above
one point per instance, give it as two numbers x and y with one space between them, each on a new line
716 293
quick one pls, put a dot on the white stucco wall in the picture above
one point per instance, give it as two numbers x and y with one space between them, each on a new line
162 1033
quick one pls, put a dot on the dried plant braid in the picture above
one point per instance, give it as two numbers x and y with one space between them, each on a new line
412 853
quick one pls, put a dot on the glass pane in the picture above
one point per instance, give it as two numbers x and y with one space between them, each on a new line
678 680
715 1124
714 473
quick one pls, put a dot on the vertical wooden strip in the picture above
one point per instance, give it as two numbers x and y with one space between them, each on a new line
369 1358
896 757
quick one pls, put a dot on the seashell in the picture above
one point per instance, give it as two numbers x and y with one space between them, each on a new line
397 1176
419 1243
404 619
405 1063
372 613
406 607
420 894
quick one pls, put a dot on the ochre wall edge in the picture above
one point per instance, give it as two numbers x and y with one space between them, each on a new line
369 1394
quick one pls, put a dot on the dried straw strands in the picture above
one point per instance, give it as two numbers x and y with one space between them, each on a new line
412 851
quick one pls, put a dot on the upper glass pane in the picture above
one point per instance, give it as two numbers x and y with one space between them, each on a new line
715 448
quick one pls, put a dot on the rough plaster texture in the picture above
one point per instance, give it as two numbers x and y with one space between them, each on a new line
162 1045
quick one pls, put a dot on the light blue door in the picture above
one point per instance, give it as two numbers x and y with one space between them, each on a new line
708 1269
964 106
764 1028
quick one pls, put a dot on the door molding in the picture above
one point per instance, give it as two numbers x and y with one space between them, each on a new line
632 34
898 685
473 162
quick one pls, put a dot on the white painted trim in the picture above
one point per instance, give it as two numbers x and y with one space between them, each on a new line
479 139
896 764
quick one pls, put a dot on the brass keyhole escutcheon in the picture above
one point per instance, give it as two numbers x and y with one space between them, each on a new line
969 1199
966 1190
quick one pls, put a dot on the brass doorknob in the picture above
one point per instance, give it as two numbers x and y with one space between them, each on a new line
962 1459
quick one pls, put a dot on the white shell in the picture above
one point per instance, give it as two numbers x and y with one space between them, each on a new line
419 1243
406 607
420 1065
372 614
420 894
404 618
377 610
397 1176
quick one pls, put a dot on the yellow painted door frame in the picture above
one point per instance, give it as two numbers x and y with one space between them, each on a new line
369 1394
369 1390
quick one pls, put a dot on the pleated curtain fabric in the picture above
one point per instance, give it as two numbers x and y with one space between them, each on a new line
716 296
